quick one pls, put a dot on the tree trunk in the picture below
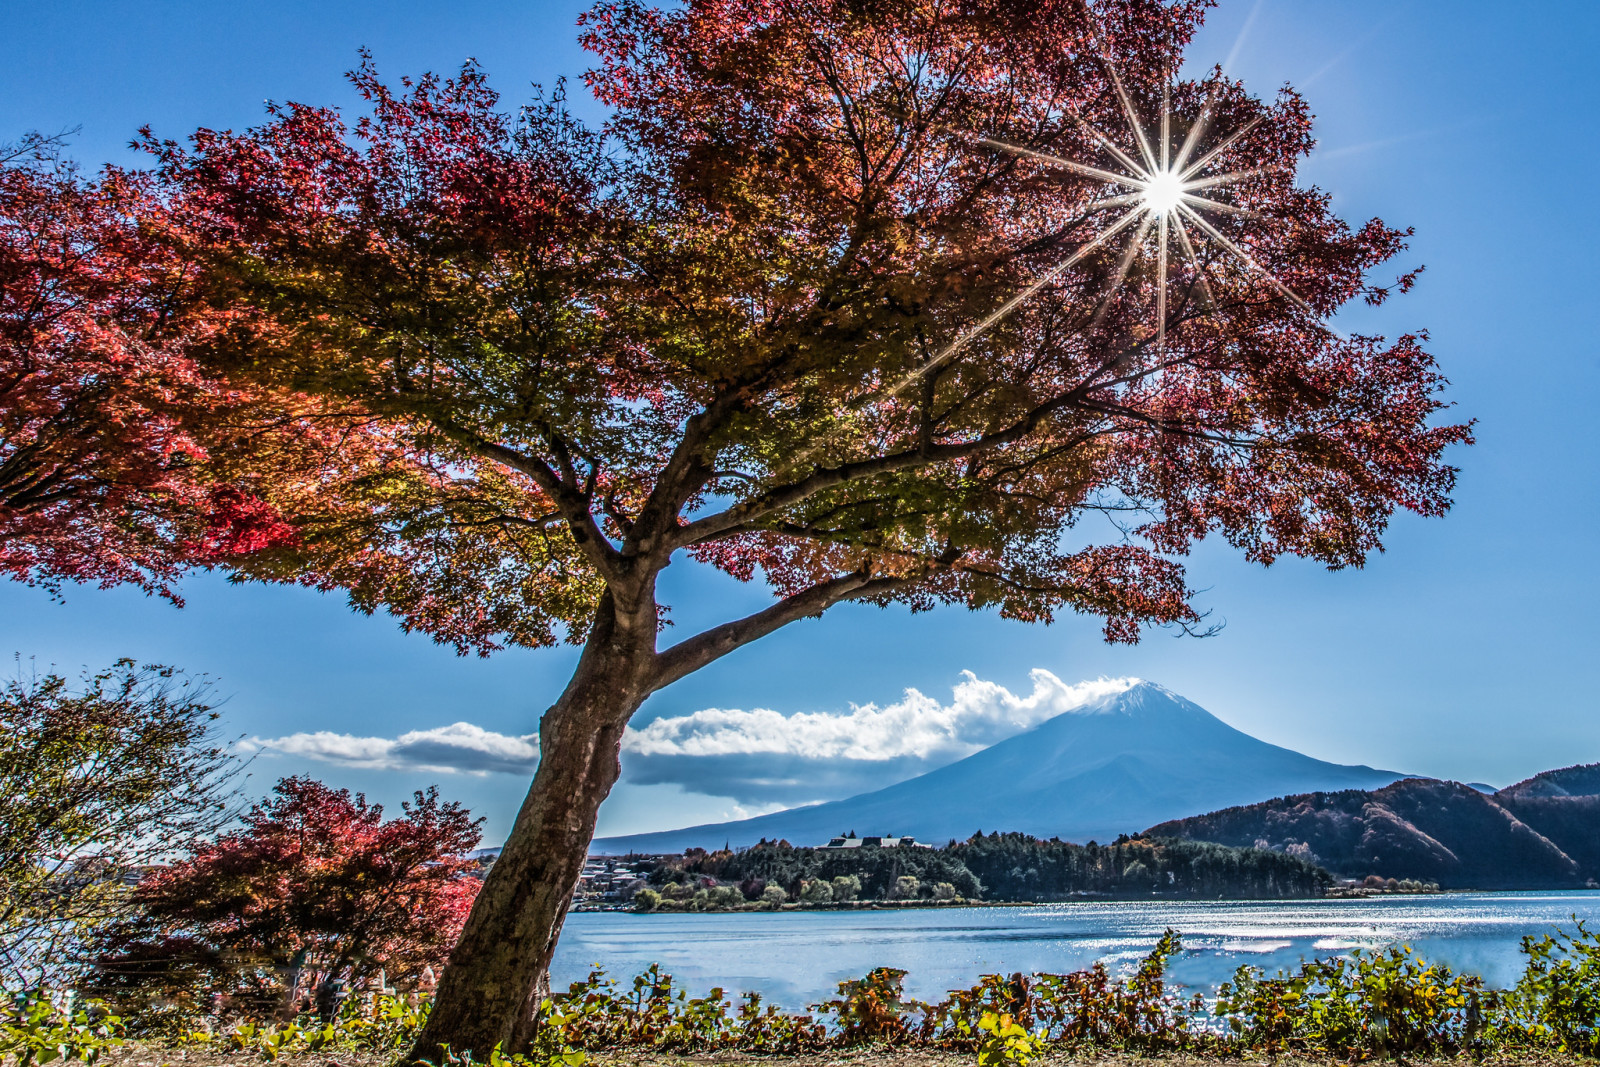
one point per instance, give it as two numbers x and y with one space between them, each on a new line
491 987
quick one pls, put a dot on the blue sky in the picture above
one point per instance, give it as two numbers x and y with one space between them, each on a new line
1465 651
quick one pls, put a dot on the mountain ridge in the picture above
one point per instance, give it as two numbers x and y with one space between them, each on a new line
1535 834
1107 767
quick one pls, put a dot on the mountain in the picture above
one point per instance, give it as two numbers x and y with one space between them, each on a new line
1536 834
1580 781
1107 767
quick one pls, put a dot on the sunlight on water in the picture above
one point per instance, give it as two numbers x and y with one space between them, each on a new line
798 958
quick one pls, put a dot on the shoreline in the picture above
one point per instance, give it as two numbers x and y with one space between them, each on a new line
754 907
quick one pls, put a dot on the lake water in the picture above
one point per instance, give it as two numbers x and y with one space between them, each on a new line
797 958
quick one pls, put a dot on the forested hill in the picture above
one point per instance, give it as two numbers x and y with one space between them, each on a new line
1011 867
1582 780
1539 834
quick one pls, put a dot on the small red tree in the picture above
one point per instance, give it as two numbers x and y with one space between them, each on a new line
316 887
834 303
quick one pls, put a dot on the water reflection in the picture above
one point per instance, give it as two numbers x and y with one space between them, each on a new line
797 958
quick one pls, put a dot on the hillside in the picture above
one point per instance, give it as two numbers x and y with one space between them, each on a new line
1523 837
1106 768
1580 781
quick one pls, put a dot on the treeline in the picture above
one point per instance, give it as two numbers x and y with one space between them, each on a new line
800 872
992 867
1019 867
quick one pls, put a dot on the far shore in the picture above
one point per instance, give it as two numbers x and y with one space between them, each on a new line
756 907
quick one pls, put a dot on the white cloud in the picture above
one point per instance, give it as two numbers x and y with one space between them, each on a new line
758 760
761 757
460 746
916 726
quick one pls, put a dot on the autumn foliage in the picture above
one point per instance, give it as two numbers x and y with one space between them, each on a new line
317 886
522 365
107 426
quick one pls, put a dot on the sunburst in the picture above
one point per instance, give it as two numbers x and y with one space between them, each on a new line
1164 187
1163 193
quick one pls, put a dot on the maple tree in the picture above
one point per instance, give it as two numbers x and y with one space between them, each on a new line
768 319
317 887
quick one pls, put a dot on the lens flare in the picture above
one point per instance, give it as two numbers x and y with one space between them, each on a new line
1165 189
1163 193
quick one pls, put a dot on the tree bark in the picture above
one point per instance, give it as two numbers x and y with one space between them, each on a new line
492 985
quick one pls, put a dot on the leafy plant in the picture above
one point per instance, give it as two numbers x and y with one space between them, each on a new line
35 1029
1005 1042
1374 1002
874 1009
1557 1000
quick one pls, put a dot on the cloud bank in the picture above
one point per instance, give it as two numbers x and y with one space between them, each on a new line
757 757
760 756
459 747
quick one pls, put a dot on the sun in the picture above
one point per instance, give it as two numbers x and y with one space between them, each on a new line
1164 192
1161 187
1163 183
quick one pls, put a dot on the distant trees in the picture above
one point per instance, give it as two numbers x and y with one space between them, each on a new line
999 867
867 873
97 780
317 889
846 886
1020 867
906 887
816 891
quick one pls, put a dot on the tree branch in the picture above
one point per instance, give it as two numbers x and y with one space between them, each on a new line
573 504
688 656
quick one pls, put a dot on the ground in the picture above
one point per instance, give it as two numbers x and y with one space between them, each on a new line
144 1055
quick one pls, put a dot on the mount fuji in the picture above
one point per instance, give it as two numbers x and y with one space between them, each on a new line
1114 765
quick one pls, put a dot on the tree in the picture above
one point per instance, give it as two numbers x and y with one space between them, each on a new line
821 306
816 891
96 782
317 888
906 887
846 887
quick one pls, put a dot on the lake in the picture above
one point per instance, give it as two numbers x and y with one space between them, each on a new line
797 958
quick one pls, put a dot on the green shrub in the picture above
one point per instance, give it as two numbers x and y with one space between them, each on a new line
1374 1002
384 1024
36 1029
1557 1000
1004 1042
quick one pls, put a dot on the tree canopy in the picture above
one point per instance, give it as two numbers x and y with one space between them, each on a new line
723 330
841 298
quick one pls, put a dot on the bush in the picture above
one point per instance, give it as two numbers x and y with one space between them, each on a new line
846 887
773 895
1557 1000
35 1028
816 891
1374 1002
906 887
